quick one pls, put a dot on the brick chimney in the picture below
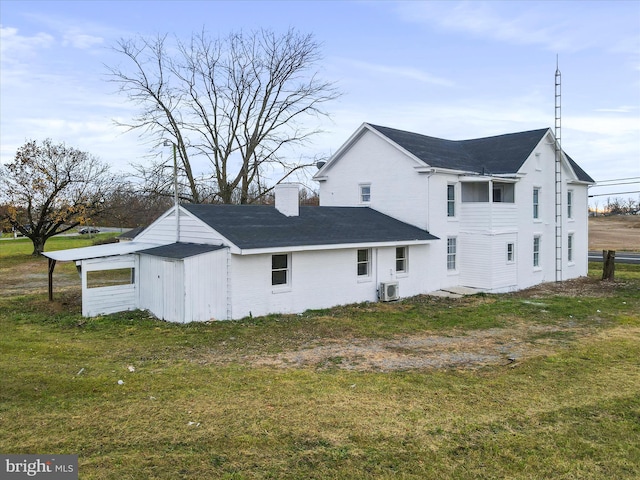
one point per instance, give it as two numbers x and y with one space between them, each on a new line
287 201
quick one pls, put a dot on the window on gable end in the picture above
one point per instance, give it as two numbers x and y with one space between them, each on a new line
365 193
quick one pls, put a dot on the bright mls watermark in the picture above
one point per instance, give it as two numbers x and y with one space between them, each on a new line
48 467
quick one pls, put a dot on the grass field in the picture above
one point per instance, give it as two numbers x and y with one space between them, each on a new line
543 383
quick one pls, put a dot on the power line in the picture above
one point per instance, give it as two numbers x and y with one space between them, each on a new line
612 194
619 179
614 184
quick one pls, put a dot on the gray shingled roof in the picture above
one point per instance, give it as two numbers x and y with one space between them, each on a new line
180 250
501 154
258 226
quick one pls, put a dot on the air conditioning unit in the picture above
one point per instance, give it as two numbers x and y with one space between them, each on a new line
389 291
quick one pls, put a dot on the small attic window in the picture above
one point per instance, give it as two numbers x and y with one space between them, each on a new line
365 193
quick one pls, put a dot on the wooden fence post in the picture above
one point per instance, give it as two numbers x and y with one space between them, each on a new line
608 264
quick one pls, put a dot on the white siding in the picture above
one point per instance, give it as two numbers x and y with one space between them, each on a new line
106 300
162 287
206 287
396 188
192 230
322 279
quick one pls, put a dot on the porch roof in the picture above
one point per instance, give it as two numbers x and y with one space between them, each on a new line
98 251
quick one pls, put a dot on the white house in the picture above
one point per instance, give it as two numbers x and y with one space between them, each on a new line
401 214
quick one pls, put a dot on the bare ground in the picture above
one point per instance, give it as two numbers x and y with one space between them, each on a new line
621 232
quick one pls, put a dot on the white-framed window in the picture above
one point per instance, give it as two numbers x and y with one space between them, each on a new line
451 200
401 259
570 248
365 193
364 262
280 269
511 252
536 202
536 251
570 204
452 248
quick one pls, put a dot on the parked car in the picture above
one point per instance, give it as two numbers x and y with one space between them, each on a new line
86 230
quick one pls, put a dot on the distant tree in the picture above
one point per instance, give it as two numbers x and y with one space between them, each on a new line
128 207
51 188
237 102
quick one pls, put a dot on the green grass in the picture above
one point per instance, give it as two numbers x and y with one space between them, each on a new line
199 405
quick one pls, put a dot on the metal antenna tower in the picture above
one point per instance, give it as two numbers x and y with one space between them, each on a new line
558 179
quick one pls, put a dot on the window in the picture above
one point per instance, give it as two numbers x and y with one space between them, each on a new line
451 200
475 192
110 278
364 261
503 192
570 247
570 204
401 259
365 193
536 203
536 251
511 252
451 253
280 269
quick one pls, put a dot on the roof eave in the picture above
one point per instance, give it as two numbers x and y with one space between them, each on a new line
336 246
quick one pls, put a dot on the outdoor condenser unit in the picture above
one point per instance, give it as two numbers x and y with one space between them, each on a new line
389 291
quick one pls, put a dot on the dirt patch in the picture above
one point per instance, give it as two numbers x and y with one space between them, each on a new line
621 232
505 346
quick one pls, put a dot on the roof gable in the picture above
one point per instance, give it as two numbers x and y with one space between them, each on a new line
496 155
501 154
257 226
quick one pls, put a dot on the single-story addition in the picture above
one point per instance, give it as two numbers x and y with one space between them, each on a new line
221 262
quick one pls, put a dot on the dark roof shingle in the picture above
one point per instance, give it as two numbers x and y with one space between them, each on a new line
501 154
258 226
180 250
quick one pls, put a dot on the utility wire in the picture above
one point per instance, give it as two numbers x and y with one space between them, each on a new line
612 194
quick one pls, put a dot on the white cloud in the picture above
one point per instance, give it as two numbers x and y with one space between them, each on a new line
557 26
82 41
14 48
409 73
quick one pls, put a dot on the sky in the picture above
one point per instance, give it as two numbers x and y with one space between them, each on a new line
454 70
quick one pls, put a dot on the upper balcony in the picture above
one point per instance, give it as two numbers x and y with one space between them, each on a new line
488 206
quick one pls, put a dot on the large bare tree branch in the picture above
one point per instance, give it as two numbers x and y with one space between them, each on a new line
238 102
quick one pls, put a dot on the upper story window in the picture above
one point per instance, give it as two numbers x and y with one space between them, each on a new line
280 269
503 192
452 248
536 203
570 204
365 193
451 200
364 262
401 259
475 192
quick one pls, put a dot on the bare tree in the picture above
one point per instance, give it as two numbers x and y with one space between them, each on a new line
50 189
238 102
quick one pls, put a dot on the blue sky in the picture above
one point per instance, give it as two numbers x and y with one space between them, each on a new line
453 70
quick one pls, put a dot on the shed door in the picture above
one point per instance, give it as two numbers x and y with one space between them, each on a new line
172 291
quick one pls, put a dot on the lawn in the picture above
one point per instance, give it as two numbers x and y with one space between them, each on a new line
543 383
